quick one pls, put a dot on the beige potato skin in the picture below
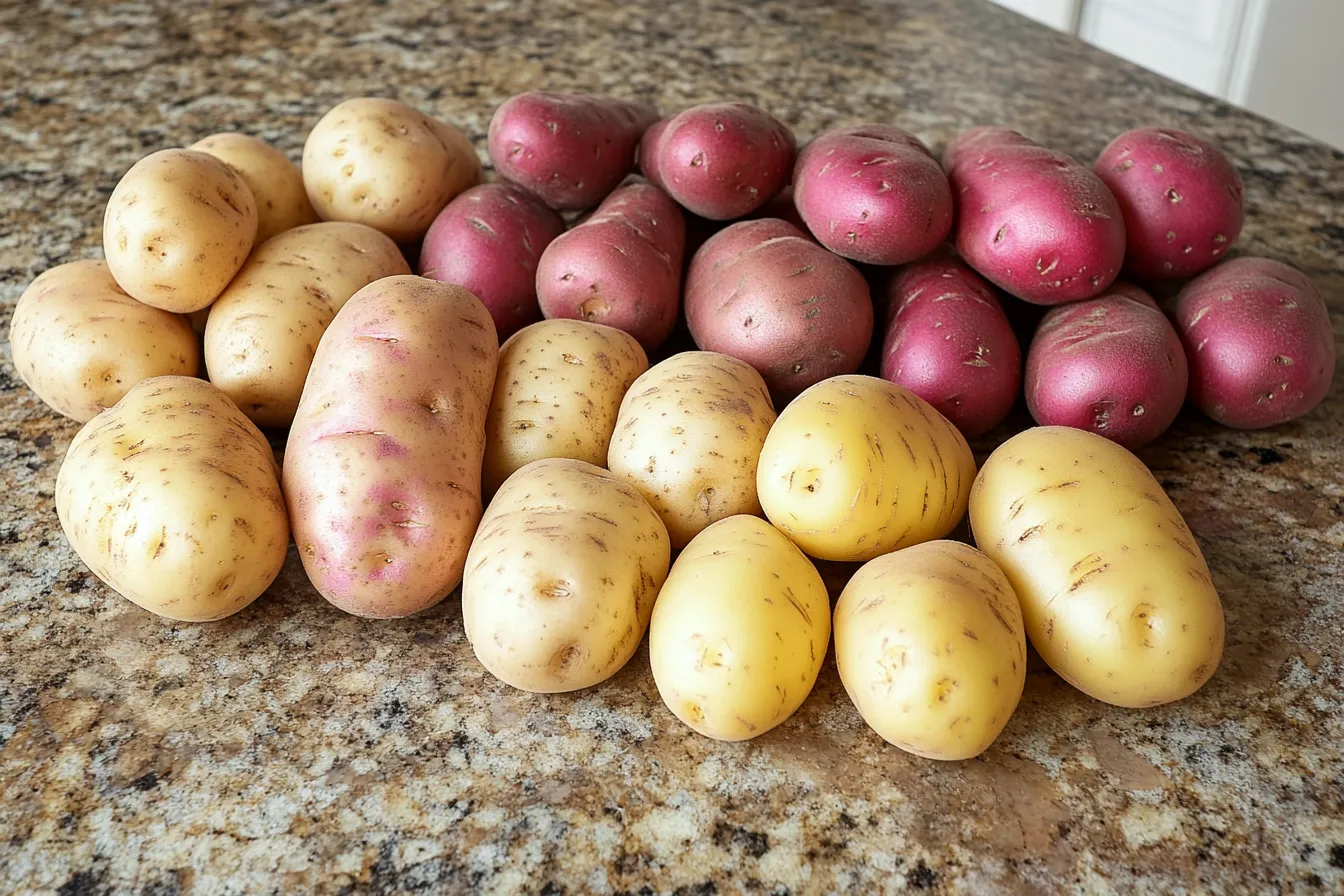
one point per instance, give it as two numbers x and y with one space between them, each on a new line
930 646
688 436
1116 595
264 329
858 467
172 498
81 343
562 576
382 163
275 181
179 225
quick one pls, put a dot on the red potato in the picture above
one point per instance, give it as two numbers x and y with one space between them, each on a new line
489 240
1259 342
873 193
782 206
621 267
949 342
570 149
1181 198
1035 222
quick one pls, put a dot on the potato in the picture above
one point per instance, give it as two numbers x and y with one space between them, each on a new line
264 328
381 163
81 343
1116 596
383 464
1259 343
856 467
1033 221
739 630
930 647
274 181
557 393
171 497
561 577
179 225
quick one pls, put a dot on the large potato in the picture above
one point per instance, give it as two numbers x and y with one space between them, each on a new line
561 577
557 393
688 436
171 498
1115 593
179 225
275 181
81 343
857 467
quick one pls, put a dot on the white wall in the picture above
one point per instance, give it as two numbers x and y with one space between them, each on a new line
1297 73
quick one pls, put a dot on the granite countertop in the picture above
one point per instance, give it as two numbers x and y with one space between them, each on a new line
295 749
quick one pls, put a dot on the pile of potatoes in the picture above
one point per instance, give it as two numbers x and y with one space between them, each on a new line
474 390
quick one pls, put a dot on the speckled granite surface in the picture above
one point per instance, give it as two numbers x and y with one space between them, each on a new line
293 749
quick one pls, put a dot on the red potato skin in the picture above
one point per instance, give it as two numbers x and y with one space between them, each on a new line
489 240
569 149
873 193
784 207
1035 222
1259 341
1182 200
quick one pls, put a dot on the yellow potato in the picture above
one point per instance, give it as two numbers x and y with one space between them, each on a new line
81 343
561 577
264 329
557 392
739 630
1115 593
179 225
688 436
274 180
857 467
172 498
930 647
380 162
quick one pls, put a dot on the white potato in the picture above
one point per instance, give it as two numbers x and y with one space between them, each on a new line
275 181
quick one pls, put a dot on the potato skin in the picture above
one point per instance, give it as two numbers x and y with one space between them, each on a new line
739 631
1116 596
177 228
557 393
688 436
274 181
383 464
857 467
562 576
930 646
81 343
171 497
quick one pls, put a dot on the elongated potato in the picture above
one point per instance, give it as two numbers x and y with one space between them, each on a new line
275 182
1115 593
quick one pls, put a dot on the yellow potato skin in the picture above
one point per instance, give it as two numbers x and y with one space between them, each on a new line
562 576
858 467
172 497
688 436
557 393
275 181
739 631
930 646
1116 595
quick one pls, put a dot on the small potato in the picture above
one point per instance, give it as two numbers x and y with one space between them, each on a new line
171 497
930 646
381 163
739 631
179 225
557 393
1116 596
688 436
857 467
275 181
561 577
81 343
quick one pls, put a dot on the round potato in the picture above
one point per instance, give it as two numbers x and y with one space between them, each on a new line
81 343
275 181
930 647
179 225
172 498
561 576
